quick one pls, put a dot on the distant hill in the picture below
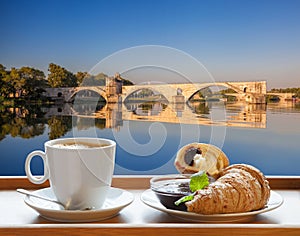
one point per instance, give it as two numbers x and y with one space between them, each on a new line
99 80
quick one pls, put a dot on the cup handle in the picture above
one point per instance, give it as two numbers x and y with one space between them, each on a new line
32 178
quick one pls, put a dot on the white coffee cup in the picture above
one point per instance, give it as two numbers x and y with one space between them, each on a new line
80 170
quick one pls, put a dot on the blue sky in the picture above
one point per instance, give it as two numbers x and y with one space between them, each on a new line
236 40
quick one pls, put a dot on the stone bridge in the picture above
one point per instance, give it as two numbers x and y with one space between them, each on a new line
250 92
283 96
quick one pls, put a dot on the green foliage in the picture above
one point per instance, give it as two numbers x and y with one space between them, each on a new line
30 83
24 82
198 181
59 126
60 77
287 90
35 82
199 107
21 121
5 87
81 76
229 90
184 199
15 82
205 92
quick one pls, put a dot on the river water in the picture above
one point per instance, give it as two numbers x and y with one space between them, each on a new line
148 135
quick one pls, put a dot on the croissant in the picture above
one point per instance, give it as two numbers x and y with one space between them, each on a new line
240 188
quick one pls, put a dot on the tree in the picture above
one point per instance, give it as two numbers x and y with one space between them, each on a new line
59 126
286 90
4 91
2 72
35 81
7 87
81 76
26 81
14 82
25 122
60 77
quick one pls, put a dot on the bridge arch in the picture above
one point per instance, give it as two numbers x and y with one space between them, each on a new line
157 95
239 92
162 91
101 92
280 96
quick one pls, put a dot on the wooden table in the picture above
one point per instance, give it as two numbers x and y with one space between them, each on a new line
16 218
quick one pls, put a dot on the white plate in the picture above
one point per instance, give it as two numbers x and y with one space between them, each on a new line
117 199
150 199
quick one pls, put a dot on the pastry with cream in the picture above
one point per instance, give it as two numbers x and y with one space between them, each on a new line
195 157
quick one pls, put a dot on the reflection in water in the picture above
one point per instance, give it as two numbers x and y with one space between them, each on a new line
199 112
30 121
237 113
24 122
86 109
252 114
146 108
59 126
260 147
200 108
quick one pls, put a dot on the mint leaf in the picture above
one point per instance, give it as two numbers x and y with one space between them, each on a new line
199 181
184 199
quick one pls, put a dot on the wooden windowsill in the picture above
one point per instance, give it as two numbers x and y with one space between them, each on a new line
16 218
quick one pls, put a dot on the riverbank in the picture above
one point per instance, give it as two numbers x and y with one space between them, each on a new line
23 101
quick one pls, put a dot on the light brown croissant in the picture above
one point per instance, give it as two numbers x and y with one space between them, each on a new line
240 188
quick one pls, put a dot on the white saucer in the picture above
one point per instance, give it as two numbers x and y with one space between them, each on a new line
150 199
117 199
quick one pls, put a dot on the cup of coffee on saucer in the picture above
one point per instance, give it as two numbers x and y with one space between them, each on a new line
79 170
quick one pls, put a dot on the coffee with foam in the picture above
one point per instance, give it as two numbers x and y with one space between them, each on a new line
79 170
78 145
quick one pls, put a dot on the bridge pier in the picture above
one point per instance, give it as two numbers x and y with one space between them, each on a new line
114 99
255 99
178 99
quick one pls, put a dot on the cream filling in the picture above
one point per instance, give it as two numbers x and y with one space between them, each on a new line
200 162
205 164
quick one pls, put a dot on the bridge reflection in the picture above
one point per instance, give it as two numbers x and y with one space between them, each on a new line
203 113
